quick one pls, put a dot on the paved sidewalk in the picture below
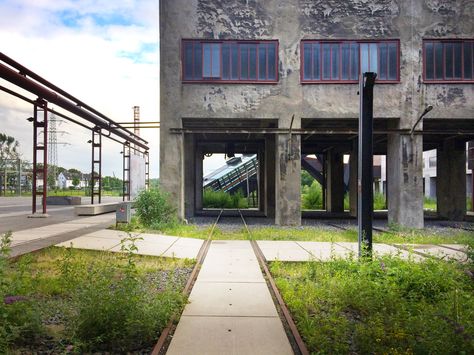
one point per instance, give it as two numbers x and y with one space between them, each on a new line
323 251
231 310
148 244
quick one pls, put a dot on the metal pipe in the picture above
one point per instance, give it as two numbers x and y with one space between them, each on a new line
51 96
25 71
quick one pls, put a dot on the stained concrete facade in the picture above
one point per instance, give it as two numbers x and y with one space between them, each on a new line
289 21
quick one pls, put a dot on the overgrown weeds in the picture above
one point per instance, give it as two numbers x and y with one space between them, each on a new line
222 199
154 209
382 306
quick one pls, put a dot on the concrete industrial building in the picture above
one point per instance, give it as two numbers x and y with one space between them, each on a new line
279 79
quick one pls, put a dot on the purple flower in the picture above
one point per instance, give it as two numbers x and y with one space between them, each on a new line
13 299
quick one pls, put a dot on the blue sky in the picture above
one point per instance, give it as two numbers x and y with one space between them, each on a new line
104 52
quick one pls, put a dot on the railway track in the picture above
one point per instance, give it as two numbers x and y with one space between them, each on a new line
292 332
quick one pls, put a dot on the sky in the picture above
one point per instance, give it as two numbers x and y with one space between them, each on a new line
103 52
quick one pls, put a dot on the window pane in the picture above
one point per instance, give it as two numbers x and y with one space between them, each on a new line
307 75
216 60
345 57
429 61
316 61
438 48
262 61
449 60
188 60
226 61
207 60
354 61
235 61
335 61
272 61
468 60
197 61
253 61
457 60
392 61
373 58
326 61
244 61
383 52
364 57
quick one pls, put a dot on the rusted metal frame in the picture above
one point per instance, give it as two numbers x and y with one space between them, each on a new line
38 128
96 173
23 71
75 108
127 151
147 170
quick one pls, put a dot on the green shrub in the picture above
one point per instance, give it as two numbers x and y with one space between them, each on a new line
222 199
113 310
469 204
429 203
154 209
20 319
379 201
312 196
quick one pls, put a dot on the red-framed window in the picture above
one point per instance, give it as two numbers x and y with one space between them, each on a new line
448 60
342 61
230 61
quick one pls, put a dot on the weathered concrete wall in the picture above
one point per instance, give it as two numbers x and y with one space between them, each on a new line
290 21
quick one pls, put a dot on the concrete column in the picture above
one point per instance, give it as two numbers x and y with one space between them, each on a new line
353 169
288 180
191 175
269 177
451 180
335 182
405 180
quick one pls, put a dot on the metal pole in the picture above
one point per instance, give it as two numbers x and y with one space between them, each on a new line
365 174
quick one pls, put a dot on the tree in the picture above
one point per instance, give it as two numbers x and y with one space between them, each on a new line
9 156
75 181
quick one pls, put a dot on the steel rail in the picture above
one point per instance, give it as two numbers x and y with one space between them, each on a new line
51 96
25 71
52 110
162 340
301 346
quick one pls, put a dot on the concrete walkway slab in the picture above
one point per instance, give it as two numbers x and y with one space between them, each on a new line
230 335
324 251
231 310
438 252
230 299
91 243
283 251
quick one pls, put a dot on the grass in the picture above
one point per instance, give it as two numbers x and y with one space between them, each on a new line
92 301
222 199
386 306
317 234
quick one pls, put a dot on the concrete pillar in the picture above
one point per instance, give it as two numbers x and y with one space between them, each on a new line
335 182
405 180
288 180
451 180
269 166
353 169
192 175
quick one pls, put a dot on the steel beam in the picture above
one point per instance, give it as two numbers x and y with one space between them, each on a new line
96 173
40 127
127 152
365 164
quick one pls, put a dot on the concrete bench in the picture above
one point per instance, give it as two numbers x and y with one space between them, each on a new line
63 200
92 210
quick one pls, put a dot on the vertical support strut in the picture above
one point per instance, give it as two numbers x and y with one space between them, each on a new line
40 168
365 164
126 171
96 174
147 170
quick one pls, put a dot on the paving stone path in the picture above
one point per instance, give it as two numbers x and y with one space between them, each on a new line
230 308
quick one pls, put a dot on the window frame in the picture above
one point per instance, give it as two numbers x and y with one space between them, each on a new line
220 80
444 80
349 41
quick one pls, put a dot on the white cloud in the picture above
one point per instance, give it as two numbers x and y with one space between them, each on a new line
105 53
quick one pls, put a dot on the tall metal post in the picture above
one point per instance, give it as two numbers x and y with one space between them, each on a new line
126 171
96 174
40 127
147 170
365 174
